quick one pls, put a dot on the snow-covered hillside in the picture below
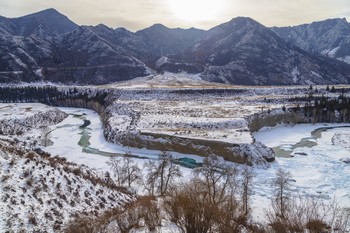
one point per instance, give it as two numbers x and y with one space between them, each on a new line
43 193
18 119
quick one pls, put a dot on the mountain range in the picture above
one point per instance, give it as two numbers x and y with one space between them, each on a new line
48 46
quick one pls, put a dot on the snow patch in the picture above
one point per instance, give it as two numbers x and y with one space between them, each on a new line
313 171
181 80
39 72
161 61
295 73
17 60
345 59
330 52
316 74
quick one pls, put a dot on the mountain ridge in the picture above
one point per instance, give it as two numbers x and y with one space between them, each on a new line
329 37
48 22
48 46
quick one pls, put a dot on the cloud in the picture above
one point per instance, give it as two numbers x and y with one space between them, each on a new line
138 14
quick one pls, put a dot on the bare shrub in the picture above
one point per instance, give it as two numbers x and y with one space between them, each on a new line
81 225
32 220
208 202
4 178
303 214
191 208
150 213
128 220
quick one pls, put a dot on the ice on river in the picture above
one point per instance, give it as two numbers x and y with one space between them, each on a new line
66 135
317 169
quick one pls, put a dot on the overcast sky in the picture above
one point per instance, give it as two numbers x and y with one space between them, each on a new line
138 14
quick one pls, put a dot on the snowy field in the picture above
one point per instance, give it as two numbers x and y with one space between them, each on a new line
317 170
207 117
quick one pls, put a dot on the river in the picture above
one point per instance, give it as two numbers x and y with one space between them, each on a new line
313 153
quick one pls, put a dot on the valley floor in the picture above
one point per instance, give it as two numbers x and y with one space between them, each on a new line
317 155
316 168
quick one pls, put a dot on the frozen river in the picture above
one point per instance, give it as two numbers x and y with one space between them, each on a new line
80 139
315 155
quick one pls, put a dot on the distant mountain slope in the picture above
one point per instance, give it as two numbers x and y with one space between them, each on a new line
45 23
330 37
7 26
25 43
47 46
162 41
243 51
84 56
19 55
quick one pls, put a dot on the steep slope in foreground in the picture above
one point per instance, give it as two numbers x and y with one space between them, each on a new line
40 193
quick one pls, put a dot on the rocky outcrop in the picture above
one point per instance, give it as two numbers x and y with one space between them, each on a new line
254 154
275 117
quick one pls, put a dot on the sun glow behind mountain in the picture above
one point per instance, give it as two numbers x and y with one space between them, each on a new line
196 10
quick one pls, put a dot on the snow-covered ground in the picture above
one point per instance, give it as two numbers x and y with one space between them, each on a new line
67 134
41 193
205 118
317 170
27 120
166 80
70 129
316 167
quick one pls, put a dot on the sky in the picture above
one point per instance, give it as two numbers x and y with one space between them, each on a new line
138 14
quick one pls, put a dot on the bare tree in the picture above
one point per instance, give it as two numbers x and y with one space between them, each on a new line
208 203
116 166
219 177
247 182
303 214
161 173
125 170
309 214
282 184
190 207
151 177
131 171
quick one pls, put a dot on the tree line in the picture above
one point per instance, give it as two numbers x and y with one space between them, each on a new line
50 95
326 109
